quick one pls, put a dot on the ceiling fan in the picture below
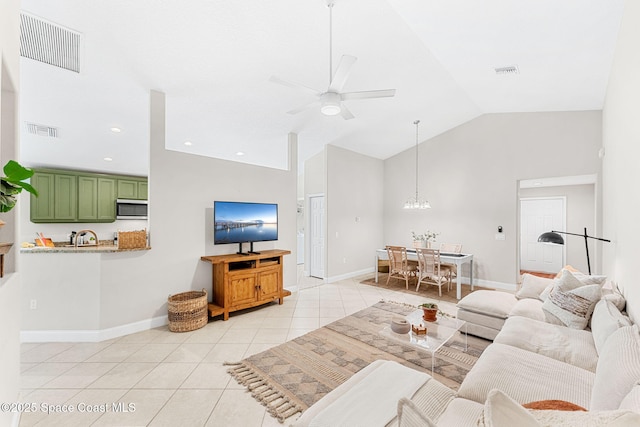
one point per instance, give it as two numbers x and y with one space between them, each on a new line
331 101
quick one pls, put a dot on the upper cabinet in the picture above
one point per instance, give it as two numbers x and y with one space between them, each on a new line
132 189
72 196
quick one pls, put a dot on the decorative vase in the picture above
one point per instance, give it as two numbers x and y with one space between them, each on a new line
419 244
430 314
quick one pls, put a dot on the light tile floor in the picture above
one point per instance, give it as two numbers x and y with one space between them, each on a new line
160 378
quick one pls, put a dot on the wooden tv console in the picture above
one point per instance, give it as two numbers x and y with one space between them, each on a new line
244 281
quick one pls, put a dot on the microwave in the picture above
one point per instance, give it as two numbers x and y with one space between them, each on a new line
131 209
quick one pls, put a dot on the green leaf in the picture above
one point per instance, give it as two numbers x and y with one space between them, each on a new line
14 171
7 203
28 187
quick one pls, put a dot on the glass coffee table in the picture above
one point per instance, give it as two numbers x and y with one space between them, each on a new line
438 333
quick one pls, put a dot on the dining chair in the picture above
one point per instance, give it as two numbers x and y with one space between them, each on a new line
399 266
451 248
431 271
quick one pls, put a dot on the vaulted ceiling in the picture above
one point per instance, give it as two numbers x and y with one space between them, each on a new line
213 60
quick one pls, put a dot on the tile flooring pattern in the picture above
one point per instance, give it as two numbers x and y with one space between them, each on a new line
178 379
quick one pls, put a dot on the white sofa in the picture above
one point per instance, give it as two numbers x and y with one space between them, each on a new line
530 360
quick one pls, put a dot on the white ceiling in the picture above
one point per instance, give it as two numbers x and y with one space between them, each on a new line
213 59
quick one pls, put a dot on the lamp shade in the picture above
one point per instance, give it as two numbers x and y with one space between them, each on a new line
551 237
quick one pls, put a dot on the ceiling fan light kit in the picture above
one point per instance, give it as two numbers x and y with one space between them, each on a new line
330 101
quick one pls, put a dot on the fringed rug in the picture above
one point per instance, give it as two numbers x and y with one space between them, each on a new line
289 378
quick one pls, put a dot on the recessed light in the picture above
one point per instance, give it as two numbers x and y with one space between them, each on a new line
240 153
116 130
108 159
188 143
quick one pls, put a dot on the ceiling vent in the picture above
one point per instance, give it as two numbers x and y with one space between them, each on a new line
50 43
512 69
42 130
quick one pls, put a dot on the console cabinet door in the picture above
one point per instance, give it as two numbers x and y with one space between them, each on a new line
242 288
269 284
87 198
106 200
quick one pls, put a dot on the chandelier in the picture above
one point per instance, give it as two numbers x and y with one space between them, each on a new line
416 202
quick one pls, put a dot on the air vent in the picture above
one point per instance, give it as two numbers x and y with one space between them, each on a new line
512 69
50 43
42 130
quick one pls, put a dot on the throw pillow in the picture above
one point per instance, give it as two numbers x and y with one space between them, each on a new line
409 415
570 302
532 286
567 267
605 321
618 369
502 411
631 401
557 405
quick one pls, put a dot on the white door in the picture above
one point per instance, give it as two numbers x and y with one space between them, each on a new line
538 216
316 236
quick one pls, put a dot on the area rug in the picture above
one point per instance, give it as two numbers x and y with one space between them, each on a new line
289 378
427 291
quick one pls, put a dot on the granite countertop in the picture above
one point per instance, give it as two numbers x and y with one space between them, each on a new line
103 247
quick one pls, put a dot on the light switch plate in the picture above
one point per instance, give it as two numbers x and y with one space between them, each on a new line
500 236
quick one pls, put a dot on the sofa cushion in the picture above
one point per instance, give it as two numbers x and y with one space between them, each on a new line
570 302
526 377
532 286
606 319
409 415
618 369
481 319
631 401
493 303
461 412
502 411
572 346
530 308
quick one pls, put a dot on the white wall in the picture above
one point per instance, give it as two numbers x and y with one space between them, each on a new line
354 206
621 174
580 212
182 189
10 283
470 175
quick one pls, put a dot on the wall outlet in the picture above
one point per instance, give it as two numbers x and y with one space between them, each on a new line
33 304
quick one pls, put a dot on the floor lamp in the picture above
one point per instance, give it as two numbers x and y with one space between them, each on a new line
554 238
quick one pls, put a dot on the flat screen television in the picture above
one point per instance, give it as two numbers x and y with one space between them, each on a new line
243 222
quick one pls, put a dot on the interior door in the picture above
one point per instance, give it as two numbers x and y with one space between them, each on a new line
316 236
537 216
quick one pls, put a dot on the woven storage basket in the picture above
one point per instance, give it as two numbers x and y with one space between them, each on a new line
188 311
132 239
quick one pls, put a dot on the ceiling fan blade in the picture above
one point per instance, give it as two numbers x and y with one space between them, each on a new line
294 85
302 108
385 93
345 113
342 72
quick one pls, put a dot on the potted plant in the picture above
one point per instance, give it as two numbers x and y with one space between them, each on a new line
423 240
10 185
430 311
13 183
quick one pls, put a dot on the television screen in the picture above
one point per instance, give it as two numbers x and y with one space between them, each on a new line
240 222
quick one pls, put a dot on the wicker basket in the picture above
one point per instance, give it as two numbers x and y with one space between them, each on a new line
132 239
188 311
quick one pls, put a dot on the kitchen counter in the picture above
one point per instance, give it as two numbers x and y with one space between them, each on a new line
95 249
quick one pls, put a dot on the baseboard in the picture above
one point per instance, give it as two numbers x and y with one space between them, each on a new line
92 335
350 275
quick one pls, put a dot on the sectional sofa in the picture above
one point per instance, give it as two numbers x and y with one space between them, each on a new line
570 346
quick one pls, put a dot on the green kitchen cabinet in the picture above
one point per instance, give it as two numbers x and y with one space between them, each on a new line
67 196
96 199
132 189
65 205
42 208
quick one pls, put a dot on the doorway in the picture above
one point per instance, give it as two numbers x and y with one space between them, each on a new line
539 215
316 236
